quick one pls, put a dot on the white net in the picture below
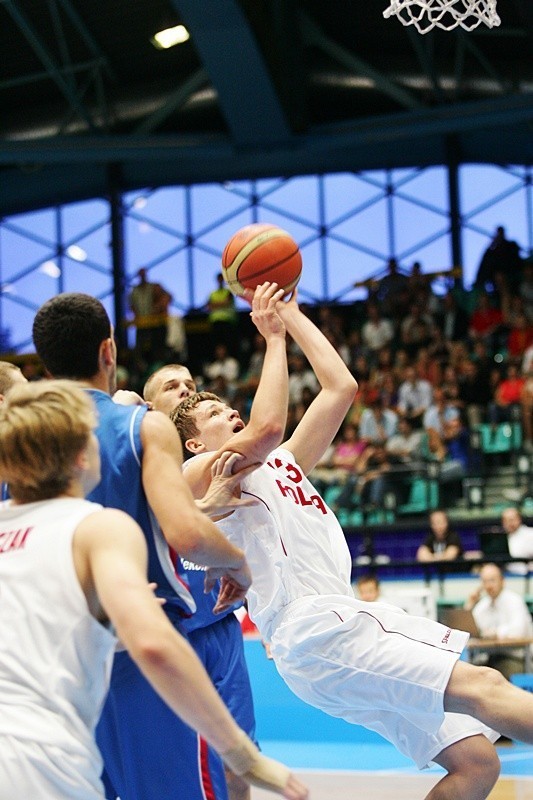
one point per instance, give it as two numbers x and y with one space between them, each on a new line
447 14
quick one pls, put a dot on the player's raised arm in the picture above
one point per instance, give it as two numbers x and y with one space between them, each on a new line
322 420
110 558
268 415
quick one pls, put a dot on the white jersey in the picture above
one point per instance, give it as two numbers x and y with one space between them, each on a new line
369 663
55 658
293 542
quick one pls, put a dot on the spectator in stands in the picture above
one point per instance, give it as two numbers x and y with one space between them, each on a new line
442 543
505 404
405 446
427 366
377 422
520 335
485 322
300 375
474 392
527 361
452 319
377 332
388 392
223 367
149 302
345 462
519 537
223 316
525 290
392 292
414 397
374 479
452 469
501 256
440 412
252 374
368 588
416 329
502 614
526 404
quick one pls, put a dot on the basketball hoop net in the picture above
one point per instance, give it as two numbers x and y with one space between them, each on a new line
446 14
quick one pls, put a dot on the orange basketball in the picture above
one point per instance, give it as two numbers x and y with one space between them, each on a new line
261 252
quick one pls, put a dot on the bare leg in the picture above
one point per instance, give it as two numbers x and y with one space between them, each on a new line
473 767
486 695
238 789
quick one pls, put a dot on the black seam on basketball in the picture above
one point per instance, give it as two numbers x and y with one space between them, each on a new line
265 269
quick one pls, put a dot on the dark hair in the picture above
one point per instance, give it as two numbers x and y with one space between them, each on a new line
68 331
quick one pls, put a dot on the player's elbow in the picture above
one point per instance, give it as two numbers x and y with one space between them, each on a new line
350 386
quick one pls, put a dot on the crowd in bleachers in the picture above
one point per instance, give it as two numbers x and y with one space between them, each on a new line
432 367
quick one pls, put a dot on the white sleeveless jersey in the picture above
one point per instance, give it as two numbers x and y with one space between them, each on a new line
293 542
55 658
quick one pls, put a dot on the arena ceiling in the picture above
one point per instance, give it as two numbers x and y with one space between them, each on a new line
262 88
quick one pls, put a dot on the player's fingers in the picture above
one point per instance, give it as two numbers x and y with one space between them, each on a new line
294 790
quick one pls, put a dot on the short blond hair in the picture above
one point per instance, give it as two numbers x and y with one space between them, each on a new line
9 375
44 426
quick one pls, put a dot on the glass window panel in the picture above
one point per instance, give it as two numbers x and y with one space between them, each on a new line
162 205
368 230
297 197
78 218
18 253
348 266
80 278
211 203
344 192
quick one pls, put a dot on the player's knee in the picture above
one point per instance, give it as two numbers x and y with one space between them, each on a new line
487 681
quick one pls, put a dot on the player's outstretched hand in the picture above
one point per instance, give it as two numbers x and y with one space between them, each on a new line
264 312
125 397
246 760
223 494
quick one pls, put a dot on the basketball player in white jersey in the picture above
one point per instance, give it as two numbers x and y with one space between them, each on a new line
68 567
369 663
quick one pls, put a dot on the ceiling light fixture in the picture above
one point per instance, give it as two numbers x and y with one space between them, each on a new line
170 37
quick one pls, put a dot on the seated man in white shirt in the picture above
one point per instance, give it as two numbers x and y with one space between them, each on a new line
502 614
519 538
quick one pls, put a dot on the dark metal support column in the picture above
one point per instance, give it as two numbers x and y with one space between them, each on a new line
454 202
118 253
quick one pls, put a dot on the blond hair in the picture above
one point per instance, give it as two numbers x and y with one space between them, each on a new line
9 375
43 428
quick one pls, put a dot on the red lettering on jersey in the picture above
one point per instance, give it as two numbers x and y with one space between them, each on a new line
293 473
13 540
287 491
300 498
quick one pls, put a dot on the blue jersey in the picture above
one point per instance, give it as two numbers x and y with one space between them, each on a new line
119 435
203 616
149 753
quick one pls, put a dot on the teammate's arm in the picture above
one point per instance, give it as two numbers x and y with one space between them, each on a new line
268 415
192 534
110 558
323 418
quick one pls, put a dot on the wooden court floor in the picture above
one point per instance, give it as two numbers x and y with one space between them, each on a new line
348 785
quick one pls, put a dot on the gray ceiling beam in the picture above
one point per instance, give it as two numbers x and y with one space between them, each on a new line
41 51
443 120
314 35
173 102
229 51
87 37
